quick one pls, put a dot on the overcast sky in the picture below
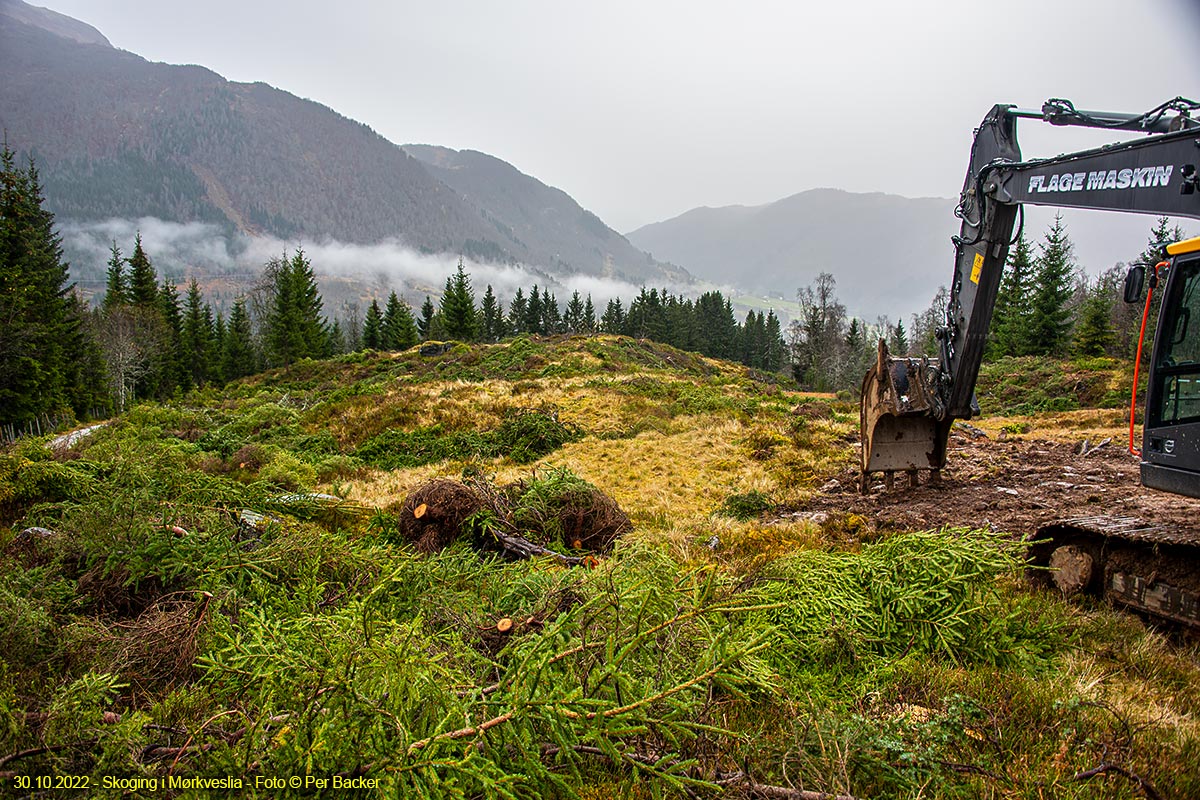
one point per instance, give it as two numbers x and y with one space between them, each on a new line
643 110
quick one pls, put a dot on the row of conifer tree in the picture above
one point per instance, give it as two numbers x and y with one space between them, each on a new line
146 340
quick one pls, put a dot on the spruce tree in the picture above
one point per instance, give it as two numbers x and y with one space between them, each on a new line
34 305
85 373
775 346
491 317
573 319
533 312
458 307
647 316
1162 234
335 343
1050 316
716 328
681 317
1094 334
216 362
1014 305
143 282
552 321
399 329
294 325
516 313
614 318
195 341
753 340
166 362
239 357
390 331
589 315
898 339
372 334
116 291
855 341
425 326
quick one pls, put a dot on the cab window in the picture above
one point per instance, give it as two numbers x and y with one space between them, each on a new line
1179 360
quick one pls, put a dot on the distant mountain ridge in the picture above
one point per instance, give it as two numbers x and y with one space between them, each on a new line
115 135
887 252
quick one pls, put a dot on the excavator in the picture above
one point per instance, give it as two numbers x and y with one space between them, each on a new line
910 404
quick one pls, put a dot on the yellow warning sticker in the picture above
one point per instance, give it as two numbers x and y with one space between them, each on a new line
977 269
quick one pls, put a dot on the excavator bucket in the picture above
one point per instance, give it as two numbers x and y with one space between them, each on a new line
901 420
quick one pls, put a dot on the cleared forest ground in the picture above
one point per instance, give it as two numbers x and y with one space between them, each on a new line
761 630
1014 483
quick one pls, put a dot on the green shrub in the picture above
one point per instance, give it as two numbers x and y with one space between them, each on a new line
747 505
29 475
264 422
338 467
287 472
26 628
1031 385
933 592
523 437
529 434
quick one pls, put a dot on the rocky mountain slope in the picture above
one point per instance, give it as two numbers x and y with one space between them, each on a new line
118 136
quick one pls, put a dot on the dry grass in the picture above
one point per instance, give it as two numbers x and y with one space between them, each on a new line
668 468
660 478
1064 426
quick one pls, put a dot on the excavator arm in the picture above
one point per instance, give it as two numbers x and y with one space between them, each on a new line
910 403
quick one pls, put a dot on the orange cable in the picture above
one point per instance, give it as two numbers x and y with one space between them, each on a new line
1137 363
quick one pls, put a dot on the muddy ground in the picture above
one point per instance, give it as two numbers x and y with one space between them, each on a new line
1013 485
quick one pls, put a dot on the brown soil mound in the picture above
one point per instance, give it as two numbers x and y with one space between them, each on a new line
591 521
157 651
432 516
574 515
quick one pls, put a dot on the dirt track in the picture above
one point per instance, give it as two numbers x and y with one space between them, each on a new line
1013 485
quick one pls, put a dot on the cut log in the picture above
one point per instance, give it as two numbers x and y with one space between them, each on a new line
504 625
1071 569
420 510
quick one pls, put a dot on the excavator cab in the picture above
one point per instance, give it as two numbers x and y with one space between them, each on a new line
1171 434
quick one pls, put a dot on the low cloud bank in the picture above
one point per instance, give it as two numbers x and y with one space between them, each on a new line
182 250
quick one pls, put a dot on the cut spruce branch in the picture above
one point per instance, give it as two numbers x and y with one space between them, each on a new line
1103 769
